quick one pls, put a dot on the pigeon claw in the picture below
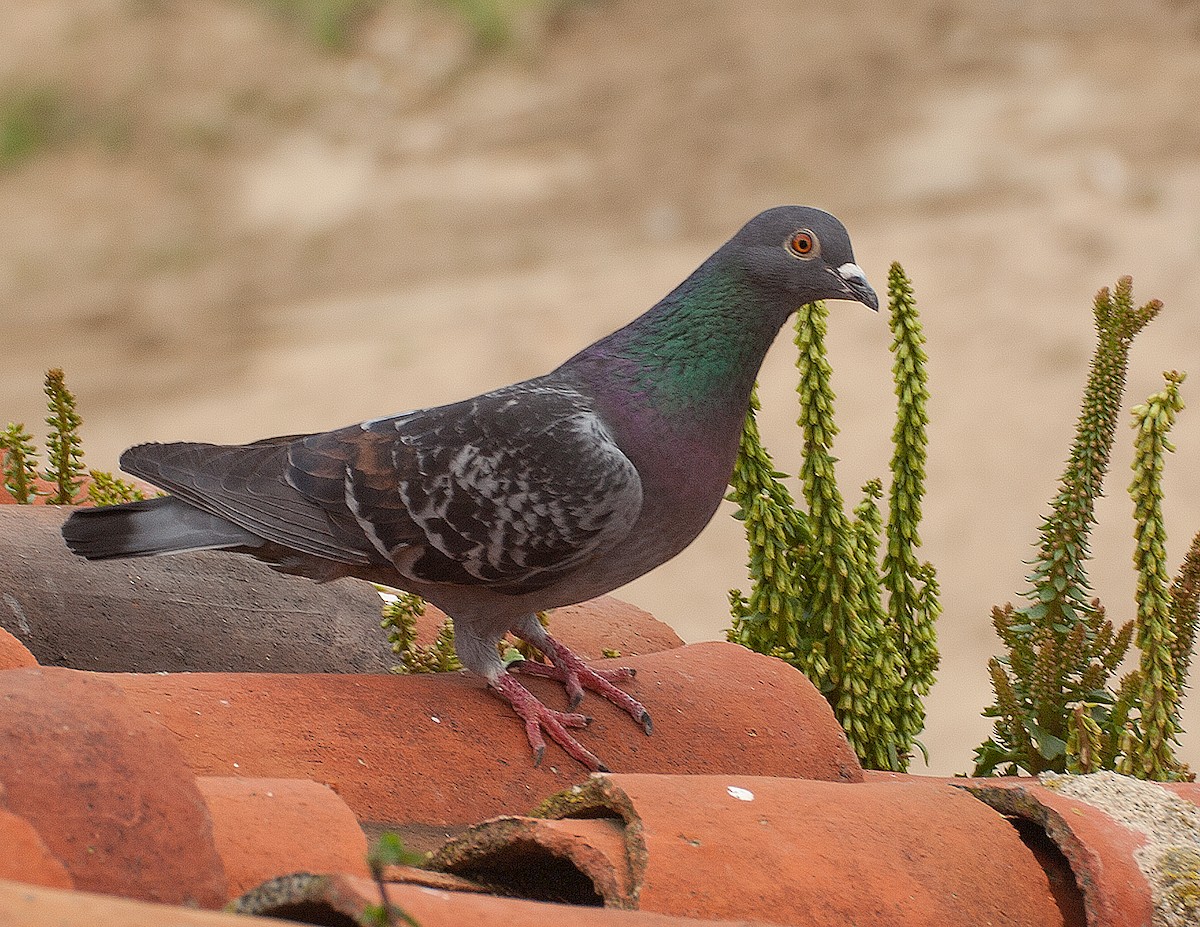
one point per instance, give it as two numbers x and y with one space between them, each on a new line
576 676
538 718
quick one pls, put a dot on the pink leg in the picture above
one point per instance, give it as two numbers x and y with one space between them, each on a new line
576 675
538 717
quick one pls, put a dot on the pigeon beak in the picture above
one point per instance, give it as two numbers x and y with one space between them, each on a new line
854 282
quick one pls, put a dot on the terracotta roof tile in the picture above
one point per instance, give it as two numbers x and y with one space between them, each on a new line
318 899
265 828
24 856
35 906
1119 835
746 802
14 654
105 787
787 851
439 751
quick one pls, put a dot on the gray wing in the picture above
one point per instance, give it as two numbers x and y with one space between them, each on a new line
512 489
245 484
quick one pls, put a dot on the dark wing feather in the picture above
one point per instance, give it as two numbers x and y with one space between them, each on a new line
511 489
245 484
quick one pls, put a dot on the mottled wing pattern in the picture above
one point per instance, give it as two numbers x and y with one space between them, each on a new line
510 489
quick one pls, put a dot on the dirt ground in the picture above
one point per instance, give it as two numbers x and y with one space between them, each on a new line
237 233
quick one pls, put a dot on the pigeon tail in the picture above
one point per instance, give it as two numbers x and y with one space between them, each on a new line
153 526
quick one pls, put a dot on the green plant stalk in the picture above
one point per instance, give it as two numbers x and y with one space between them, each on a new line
1061 593
875 679
1119 733
1061 648
388 850
1085 742
835 598
64 450
837 605
817 591
66 457
913 605
399 620
1185 610
106 489
1153 755
770 619
20 463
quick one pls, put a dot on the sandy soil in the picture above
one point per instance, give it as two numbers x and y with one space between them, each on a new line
243 234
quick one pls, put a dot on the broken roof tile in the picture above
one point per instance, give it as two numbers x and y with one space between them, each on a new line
322 899
787 851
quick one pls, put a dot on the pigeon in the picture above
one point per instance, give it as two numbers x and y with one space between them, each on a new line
544 493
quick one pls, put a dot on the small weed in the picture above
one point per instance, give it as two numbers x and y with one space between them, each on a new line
64 456
32 119
327 23
1055 706
64 450
20 463
494 23
388 850
400 613
858 624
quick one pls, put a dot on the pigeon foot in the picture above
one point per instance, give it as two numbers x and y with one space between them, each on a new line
576 676
538 718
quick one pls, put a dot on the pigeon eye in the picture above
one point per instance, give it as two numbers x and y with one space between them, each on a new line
803 244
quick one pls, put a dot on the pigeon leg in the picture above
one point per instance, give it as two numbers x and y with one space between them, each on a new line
576 675
538 717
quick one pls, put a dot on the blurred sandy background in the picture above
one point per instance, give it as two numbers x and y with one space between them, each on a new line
222 227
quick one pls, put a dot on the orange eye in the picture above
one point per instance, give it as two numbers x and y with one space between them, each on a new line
804 244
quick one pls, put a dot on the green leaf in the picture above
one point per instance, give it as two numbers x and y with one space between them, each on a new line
390 850
1049 746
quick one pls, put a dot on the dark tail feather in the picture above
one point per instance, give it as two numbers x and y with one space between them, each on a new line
153 526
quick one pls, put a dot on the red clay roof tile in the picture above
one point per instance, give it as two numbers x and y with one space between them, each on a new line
787 851
321 898
24 856
105 787
265 828
35 906
439 751
1118 834
14 654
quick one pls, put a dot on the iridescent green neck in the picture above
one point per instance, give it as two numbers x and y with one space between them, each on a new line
700 347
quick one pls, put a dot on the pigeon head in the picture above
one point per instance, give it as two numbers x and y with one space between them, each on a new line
704 341
801 254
